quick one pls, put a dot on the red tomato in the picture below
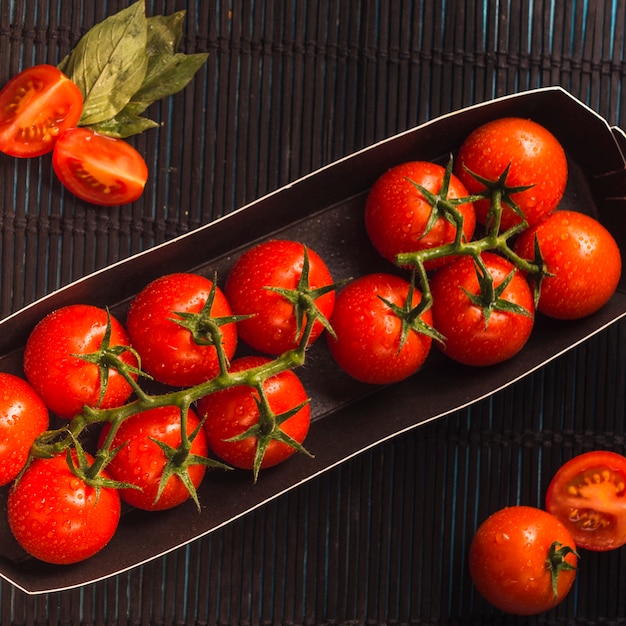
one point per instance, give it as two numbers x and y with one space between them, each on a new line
588 494
469 337
368 331
65 382
168 350
56 517
36 106
583 259
99 169
272 326
515 556
23 416
233 411
141 461
397 214
536 158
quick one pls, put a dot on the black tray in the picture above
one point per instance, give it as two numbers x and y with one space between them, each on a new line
325 211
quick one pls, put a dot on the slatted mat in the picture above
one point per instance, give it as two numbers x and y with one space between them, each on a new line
290 86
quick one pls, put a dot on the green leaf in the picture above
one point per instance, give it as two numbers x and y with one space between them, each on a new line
123 125
109 63
168 76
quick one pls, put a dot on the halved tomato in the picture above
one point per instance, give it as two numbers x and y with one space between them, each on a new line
36 106
99 169
588 495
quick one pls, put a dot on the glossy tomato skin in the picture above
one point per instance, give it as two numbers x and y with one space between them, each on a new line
583 259
56 517
233 411
102 170
397 214
23 416
536 158
36 106
507 560
168 351
367 342
462 323
588 494
64 381
272 328
141 461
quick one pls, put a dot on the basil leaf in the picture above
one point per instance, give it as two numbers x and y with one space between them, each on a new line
123 125
173 75
109 63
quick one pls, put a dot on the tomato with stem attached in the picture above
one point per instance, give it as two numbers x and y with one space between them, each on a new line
588 494
485 311
23 416
36 106
58 517
534 158
523 560
249 434
583 263
273 283
380 335
65 360
404 211
103 170
148 444
175 323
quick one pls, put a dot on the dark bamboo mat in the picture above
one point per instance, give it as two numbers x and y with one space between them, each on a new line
289 86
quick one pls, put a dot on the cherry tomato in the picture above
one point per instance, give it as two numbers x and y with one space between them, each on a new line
168 350
535 157
23 416
233 411
56 517
470 337
36 106
141 461
516 557
588 494
397 216
52 363
99 169
368 331
272 327
582 258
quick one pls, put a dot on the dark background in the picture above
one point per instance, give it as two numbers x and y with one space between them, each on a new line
290 86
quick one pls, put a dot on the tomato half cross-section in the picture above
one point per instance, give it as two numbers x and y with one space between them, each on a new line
102 170
36 106
588 494
523 560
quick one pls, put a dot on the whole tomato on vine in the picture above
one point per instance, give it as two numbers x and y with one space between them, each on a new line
526 154
404 213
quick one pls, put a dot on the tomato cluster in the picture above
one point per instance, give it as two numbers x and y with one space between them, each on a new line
490 244
222 361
